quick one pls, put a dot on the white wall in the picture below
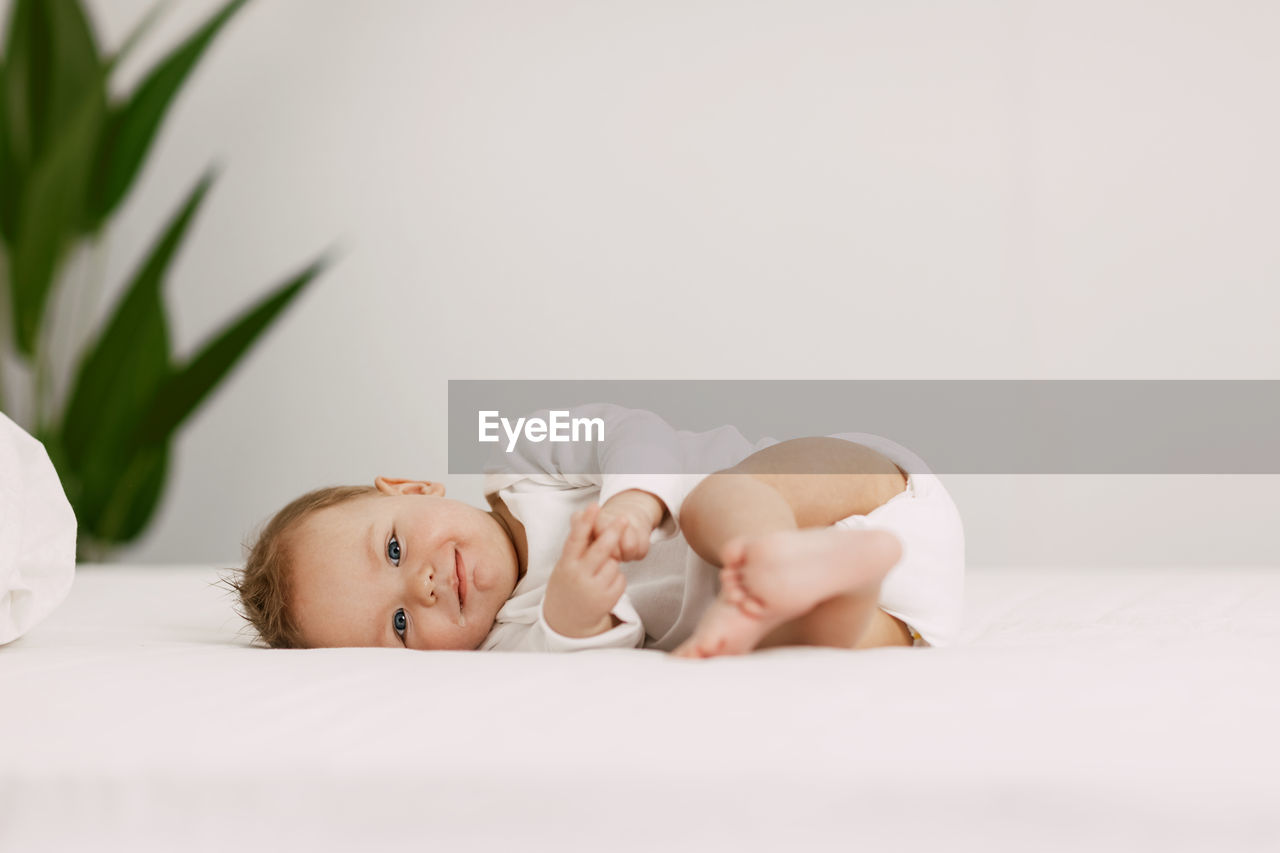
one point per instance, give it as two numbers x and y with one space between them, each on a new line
784 189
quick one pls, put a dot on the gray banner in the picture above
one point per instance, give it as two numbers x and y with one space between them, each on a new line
956 426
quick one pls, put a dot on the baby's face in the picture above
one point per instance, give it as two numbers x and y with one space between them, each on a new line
400 570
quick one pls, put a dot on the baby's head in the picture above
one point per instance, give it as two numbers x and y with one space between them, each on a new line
395 564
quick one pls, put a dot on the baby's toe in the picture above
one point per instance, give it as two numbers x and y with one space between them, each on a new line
731 585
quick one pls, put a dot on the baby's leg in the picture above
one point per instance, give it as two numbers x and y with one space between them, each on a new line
851 621
789 577
800 587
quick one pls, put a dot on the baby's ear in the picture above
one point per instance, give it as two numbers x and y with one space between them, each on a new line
398 486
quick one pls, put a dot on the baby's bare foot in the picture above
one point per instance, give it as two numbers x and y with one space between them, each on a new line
769 580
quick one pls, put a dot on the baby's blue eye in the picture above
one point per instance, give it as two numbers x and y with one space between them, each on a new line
400 623
393 550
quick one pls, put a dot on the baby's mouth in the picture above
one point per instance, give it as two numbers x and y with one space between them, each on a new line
462 578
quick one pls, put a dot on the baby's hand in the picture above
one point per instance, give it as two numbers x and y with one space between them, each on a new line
641 511
586 583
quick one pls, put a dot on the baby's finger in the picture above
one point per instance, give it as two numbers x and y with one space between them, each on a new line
600 523
605 571
604 544
629 543
640 548
579 531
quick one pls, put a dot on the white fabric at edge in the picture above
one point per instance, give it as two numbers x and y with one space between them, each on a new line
37 534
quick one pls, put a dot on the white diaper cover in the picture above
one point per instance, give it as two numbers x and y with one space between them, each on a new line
926 588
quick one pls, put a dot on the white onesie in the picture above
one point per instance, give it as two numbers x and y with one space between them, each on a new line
668 591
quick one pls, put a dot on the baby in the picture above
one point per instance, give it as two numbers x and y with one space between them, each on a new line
846 541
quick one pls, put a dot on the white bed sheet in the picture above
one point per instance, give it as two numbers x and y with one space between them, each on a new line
1090 709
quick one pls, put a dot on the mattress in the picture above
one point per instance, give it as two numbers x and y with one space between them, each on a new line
1123 709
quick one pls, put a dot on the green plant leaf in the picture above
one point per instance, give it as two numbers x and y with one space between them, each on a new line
187 387
10 176
131 127
51 64
8 192
71 69
121 511
5 168
51 438
52 201
120 375
17 72
15 133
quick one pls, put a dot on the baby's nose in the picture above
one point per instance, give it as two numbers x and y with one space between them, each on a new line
425 585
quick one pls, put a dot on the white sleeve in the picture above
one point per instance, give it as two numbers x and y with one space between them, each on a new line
540 637
639 451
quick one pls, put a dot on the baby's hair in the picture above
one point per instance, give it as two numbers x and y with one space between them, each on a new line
264 584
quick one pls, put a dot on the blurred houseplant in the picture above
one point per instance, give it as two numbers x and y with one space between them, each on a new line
69 154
